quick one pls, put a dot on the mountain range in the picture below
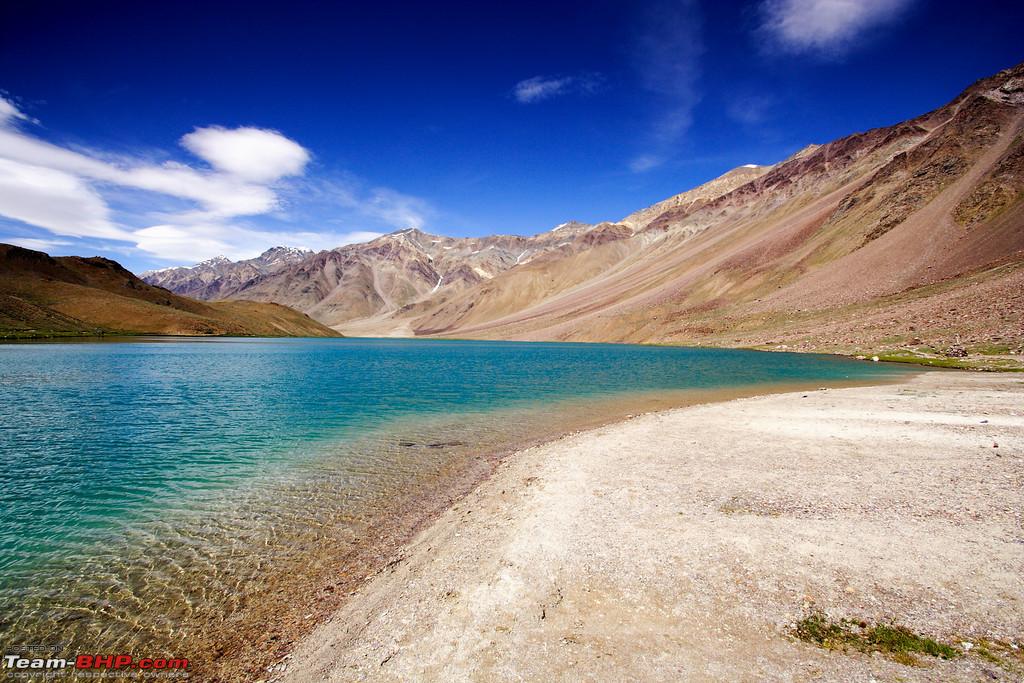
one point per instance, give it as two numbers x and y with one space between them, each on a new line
908 236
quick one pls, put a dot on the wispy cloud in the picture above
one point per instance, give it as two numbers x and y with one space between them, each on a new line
34 243
541 88
750 109
9 112
346 197
824 26
667 56
238 198
645 162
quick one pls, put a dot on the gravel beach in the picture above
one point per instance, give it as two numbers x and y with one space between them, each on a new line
690 544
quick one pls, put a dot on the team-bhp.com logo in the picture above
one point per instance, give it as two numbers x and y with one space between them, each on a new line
94 663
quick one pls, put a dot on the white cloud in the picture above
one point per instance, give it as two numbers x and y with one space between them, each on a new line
825 26
541 88
184 243
246 159
220 193
83 193
10 113
252 154
54 200
191 243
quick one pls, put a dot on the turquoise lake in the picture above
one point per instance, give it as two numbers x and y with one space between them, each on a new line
153 487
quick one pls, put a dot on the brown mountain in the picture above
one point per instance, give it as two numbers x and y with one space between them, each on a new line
906 236
45 296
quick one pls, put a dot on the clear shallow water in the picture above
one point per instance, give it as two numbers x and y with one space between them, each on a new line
153 489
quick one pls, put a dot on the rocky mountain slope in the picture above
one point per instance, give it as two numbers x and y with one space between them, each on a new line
70 295
904 237
384 276
220 277
691 200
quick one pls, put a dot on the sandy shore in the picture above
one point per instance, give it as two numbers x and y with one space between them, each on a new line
684 545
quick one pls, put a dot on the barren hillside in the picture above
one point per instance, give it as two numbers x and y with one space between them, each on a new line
909 236
67 296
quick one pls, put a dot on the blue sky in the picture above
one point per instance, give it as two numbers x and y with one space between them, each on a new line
160 133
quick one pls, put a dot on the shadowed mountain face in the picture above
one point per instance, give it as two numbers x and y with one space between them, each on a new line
911 234
70 295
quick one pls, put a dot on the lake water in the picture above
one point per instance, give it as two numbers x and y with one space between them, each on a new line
164 495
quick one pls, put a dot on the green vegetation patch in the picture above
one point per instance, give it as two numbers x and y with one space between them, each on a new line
897 642
991 364
991 349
